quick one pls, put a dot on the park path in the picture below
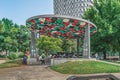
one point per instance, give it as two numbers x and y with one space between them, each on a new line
2 61
37 72
31 73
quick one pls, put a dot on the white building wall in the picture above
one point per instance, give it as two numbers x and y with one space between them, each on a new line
74 8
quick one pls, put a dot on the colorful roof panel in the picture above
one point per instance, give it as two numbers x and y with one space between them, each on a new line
60 26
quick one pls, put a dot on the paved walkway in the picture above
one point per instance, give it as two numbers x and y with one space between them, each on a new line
36 73
30 73
2 61
109 62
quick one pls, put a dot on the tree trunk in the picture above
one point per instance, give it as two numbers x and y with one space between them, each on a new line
46 53
78 46
119 55
104 54
6 52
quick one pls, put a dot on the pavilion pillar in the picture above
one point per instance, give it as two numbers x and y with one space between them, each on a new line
78 47
86 46
33 44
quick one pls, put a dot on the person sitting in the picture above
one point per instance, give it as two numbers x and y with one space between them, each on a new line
40 58
43 58
25 60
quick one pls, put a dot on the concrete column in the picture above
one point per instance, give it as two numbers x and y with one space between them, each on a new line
33 44
86 46
88 40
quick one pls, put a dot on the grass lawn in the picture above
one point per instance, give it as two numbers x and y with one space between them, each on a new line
85 67
11 63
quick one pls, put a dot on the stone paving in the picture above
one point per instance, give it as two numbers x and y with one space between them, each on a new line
31 73
37 72
2 61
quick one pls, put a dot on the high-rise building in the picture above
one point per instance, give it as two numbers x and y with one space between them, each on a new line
74 8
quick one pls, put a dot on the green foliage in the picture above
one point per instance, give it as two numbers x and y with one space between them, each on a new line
8 39
2 29
48 44
2 56
106 15
43 56
23 37
85 67
21 55
12 56
8 24
68 46
13 37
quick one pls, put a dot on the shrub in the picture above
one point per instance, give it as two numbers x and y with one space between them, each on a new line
12 56
2 56
21 55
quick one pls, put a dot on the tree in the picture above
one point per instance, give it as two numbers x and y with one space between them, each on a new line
13 37
68 45
2 29
49 44
106 15
23 38
7 24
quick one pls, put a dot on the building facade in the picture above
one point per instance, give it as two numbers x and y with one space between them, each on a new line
75 8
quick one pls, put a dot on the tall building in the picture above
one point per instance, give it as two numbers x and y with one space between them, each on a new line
74 8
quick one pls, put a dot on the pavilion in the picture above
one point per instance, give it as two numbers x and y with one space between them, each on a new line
62 27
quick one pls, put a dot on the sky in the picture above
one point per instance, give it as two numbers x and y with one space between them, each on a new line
20 10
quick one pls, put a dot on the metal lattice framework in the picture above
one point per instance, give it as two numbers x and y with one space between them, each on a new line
63 27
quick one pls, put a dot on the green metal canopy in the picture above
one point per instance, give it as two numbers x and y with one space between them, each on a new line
60 26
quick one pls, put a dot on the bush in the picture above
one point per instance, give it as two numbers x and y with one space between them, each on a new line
2 56
12 56
21 55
